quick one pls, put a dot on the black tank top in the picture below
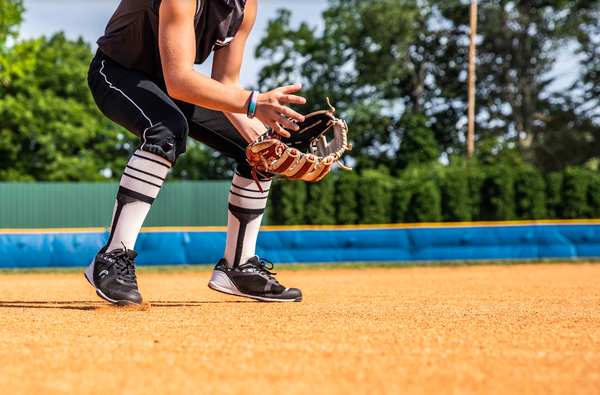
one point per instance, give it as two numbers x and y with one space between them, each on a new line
131 36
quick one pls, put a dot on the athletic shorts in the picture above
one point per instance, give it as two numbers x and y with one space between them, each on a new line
143 107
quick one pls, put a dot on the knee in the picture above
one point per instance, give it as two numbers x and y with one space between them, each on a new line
166 139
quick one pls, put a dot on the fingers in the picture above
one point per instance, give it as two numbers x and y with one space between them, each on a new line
284 132
288 112
276 127
291 88
272 109
292 99
287 123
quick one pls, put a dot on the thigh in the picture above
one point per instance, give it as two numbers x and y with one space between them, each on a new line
140 105
213 129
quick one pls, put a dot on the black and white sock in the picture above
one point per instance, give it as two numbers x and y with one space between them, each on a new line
246 208
142 179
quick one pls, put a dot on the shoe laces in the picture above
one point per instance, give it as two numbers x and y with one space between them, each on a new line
262 265
125 266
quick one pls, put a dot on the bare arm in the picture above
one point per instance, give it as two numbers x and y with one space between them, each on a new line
223 93
226 69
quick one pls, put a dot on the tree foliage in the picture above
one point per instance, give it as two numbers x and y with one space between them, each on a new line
395 69
381 59
50 127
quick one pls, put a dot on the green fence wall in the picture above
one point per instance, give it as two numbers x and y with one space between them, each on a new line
90 205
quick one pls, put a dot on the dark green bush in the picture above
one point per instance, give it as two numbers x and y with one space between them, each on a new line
456 202
575 193
554 191
463 191
425 205
320 209
375 197
419 145
594 195
346 197
476 178
417 196
287 203
530 193
498 193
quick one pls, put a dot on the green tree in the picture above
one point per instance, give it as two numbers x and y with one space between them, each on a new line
345 199
373 58
594 195
456 197
575 198
11 16
320 209
519 42
287 203
418 142
498 193
530 194
417 196
554 191
378 59
375 196
50 128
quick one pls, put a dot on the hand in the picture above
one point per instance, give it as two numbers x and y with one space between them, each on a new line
271 109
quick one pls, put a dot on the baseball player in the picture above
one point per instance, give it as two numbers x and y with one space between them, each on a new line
142 78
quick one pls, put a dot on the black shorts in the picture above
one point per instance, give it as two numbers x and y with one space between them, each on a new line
142 106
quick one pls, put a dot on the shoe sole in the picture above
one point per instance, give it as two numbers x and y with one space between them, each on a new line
221 283
89 275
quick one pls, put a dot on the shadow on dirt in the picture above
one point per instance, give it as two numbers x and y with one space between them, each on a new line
86 305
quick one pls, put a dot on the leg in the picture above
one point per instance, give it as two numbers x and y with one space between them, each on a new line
246 202
240 272
130 99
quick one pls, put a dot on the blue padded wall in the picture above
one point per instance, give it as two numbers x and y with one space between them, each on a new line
418 243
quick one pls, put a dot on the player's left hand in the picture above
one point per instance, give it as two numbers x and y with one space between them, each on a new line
306 155
272 109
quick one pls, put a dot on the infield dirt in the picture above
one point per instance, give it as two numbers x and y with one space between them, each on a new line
524 329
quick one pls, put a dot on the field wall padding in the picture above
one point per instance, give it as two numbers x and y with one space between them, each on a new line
394 243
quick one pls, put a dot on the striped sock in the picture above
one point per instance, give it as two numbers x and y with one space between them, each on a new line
246 208
142 179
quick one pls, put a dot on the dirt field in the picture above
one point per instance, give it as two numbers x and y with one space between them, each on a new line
471 330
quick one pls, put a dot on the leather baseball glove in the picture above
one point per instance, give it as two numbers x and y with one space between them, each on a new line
306 155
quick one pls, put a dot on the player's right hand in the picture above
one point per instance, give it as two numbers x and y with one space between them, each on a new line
271 109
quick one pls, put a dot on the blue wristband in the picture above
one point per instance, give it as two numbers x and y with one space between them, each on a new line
252 105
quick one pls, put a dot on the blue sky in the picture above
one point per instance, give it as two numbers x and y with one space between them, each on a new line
87 18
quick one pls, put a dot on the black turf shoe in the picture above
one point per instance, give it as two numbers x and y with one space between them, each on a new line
113 275
252 280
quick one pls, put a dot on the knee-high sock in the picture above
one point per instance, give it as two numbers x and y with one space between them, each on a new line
246 208
140 184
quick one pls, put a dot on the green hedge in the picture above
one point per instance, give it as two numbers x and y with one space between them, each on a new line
554 192
498 194
459 192
345 199
287 203
375 197
320 209
456 198
575 193
530 194
418 196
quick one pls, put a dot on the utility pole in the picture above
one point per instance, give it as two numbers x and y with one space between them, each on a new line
471 131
